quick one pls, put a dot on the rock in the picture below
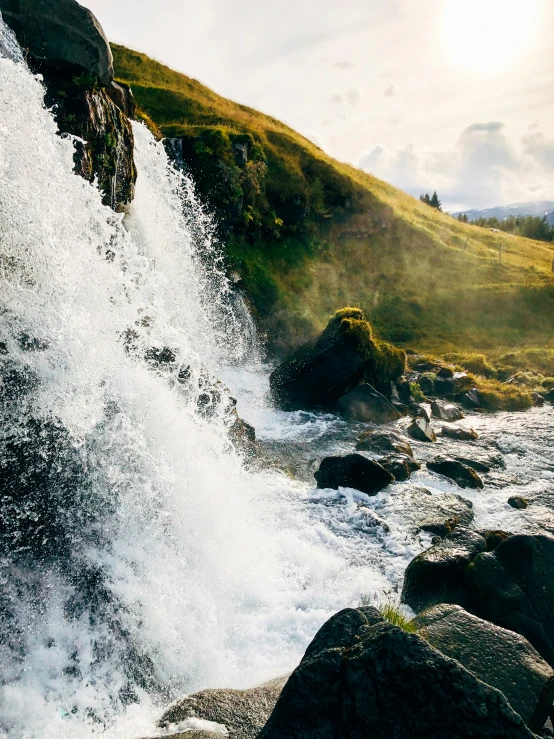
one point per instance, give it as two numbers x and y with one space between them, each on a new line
404 390
364 403
493 537
463 476
549 396
516 501
61 32
416 508
383 441
426 383
513 587
243 436
438 574
450 385
445 372
382 682
459 434
417 411
332 365
538 399
353 471
404 410
243 712
500 658
69 49
400 466
476 465
446 411
421 430
122 95
472 399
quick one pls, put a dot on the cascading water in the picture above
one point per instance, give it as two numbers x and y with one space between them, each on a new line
139 559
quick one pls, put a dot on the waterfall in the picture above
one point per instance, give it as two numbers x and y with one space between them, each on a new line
139 558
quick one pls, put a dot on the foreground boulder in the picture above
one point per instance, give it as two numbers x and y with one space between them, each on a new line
459 434
378 441
438 575
421 430
365 404
344 355
446 411
511 585
463 475
243 712
498 657
353 471
378 681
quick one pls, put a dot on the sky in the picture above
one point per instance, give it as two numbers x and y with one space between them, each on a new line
449 95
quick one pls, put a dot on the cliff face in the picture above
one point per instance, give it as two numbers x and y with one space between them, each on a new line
65 43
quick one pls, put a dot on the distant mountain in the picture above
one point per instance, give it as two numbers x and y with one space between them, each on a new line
537 208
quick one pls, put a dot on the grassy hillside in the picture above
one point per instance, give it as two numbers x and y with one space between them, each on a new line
308 234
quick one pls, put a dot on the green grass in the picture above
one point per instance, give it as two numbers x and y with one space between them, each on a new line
308 234
393 615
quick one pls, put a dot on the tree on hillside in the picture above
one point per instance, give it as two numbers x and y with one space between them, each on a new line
432 200
435 202
462 217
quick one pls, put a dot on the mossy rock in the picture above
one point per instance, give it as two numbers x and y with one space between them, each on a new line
342 357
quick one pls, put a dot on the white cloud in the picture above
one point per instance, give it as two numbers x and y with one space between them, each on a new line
486 167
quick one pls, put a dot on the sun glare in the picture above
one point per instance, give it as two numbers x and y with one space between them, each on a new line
488 35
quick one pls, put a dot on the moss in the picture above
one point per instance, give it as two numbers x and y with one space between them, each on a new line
473 362
499 396
416 392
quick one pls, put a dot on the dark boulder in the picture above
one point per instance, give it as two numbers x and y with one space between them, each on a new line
383 683
446 411
472 399
122 95
243 712
61 32
459 434
498 657
365 404
419 411
475 464
438 575
353 471
510 585
383 441
518 502
404 390
426 383
400 466
549 396
461 474
446 386
444 372
343 356
538 399
421 430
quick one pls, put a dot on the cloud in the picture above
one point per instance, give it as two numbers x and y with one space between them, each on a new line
485 167
344 65
390 91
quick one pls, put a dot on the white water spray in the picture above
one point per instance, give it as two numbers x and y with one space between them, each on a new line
175 568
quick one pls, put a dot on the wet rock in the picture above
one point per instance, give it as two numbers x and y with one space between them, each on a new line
404 410
421 430
459 434
353 471
404 390
426 383
445 386
472 399
365 404
243 712
549 396
538 400
516 501
417 411
243 436
445 372
461 474
500 658
446 411
400 466
63 32
382 682
493 537
418 509
438 575
335 363
383 441
122 95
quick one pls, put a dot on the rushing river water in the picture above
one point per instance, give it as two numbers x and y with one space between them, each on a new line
140 559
